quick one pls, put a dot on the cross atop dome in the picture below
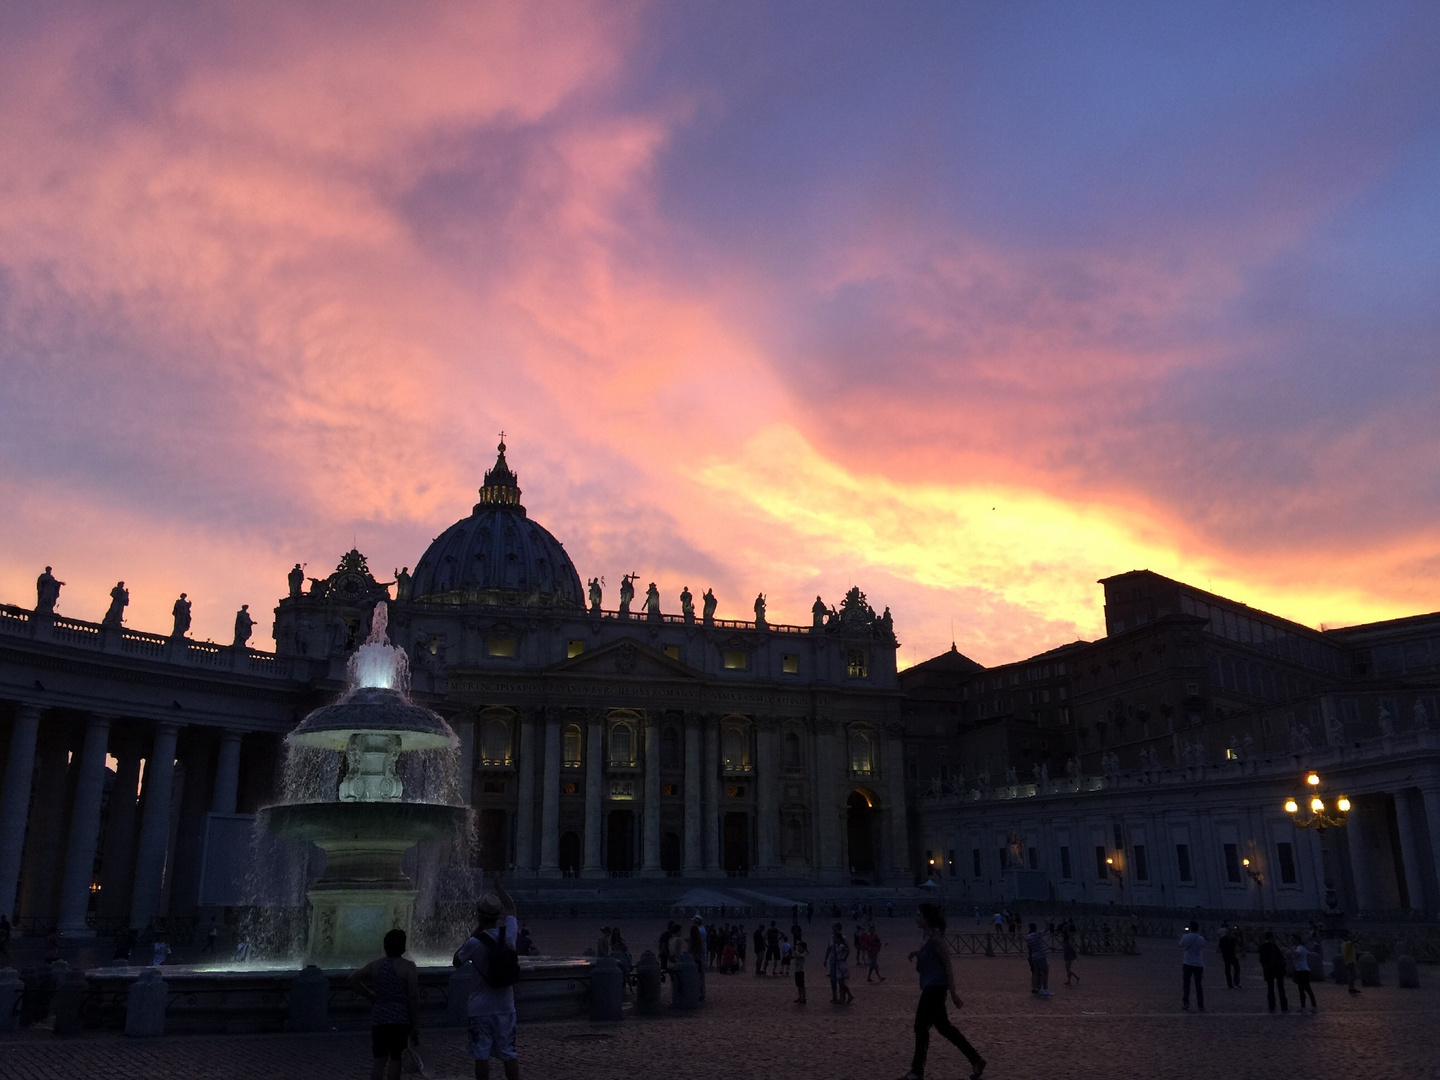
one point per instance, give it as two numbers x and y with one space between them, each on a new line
502 487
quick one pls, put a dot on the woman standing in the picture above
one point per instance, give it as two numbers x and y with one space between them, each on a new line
937 978
392 984
836 958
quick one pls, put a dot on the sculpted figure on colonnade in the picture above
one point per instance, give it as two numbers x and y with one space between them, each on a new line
296 578
818 611
687 605
627 594
243 625
595 596
181 611
119 600
402 583
760 610
47 591
708 612
652 603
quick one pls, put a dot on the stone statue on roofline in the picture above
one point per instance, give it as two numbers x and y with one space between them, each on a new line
296 579
708 610
818 611
402 583
243 626
627 594
47 591
760 610
687 605
119 601
181 611
652 603
595 596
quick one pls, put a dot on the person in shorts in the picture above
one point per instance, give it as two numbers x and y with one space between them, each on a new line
392 985
491 1011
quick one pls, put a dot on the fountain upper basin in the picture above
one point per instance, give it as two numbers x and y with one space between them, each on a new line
374 708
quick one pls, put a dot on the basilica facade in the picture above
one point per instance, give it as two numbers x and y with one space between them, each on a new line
594 742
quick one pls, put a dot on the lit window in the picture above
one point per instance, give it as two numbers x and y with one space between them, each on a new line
574 647
736 660
501 646
495 743
672 651
861 754
790 664
572 747
570 787
735 748
622 745
855 664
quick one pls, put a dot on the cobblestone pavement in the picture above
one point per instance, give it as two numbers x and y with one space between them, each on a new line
1123 1020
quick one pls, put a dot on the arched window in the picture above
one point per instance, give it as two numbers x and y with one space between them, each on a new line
735 748
862 758
572 747
622 745
495 743
792 750
670 749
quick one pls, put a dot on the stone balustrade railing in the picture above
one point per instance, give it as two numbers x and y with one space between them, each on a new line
75 633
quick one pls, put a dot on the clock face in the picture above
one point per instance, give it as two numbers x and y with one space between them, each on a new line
352 586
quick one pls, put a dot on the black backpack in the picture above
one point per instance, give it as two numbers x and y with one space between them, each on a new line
502 963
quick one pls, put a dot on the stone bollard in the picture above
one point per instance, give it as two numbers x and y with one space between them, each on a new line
70 987
145 1004
1369 969
1339 971
685 983
309 1001
457 995
11 987
607 991
1407 973
647 984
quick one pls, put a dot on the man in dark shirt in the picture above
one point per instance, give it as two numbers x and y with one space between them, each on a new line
772 949
1229 946
1272 966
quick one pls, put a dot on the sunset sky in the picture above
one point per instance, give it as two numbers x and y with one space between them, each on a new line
967 304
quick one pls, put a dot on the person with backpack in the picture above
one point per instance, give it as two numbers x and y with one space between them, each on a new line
392 985
1272 966
491 1011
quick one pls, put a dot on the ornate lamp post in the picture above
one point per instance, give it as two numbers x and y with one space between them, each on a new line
1322 818
1257 878
1115 869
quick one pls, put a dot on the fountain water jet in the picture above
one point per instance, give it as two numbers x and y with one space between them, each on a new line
367 826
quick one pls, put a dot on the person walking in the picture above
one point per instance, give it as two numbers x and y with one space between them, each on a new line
1302 975
490 1013
937 978
872 950
801 950
1272 967
1069 953
1192 946
772 949
1347 957
1039 962
392 985
1229 956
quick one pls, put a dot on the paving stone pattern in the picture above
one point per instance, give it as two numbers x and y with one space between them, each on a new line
1123 1020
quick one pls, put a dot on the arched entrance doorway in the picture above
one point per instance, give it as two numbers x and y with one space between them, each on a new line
736 840
862 819
620 846
670 853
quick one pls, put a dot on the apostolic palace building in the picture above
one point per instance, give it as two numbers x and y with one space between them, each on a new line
656 740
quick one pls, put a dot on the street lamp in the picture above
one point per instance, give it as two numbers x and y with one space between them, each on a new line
1110 862
1322 818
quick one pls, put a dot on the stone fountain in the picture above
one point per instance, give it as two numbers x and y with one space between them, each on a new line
369 824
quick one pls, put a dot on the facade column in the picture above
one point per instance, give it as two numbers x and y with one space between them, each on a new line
118 863
465 732
829 859
1430 809
592 867
710 812
1413 870
767 794
154 827
227 774
41 867
550 801
15 801
899 840
1357 835
694 855
650 863
525 806
84 830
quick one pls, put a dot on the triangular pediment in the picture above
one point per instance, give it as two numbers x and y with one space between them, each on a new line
626 658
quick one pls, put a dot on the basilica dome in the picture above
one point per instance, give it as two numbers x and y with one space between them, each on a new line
497 554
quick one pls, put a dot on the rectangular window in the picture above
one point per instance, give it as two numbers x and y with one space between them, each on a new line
1004 860
574 647
1102 868
570 787
1182 862
975 861
1232 863
1065 863
501 646
790 664
735 791
672 651
1139 863
736 660
1286 858
1119 839
950 862
670 789
856 664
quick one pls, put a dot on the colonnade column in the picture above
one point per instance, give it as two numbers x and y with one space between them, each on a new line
1430 807
694 856
710 819
594 782
84 829
154 827
119 859
1357 829
15 801
1413 872
899 840
767 793
525 805
550 801
227 774
650 865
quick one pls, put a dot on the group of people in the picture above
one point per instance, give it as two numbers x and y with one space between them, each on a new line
1298 962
